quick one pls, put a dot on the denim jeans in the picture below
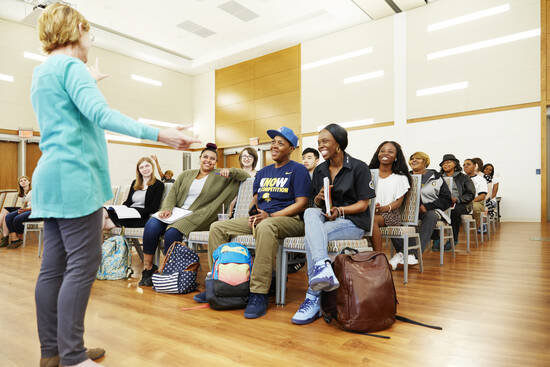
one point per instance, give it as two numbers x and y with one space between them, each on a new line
14 221
318 232
154 228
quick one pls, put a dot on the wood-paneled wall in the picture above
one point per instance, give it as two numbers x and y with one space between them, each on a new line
32 157
257 95
8 167
545 101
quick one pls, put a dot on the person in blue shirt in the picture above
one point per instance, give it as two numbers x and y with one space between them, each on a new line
281 192
73 116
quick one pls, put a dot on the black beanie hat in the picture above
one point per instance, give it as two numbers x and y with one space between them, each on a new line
339 133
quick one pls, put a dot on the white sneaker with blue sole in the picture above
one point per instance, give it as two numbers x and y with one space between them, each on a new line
323 278
309 311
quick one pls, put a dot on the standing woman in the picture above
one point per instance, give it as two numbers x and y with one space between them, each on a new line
24 191
352 188
72 114
145 196
393 184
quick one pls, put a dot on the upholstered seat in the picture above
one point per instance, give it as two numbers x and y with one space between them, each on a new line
397 231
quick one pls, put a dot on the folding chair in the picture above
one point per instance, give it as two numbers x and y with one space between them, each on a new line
297 244
409 218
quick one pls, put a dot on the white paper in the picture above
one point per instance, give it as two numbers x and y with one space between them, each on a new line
328 201
124 212
177 214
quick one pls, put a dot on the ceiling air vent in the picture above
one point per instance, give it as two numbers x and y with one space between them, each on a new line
237 10
196 29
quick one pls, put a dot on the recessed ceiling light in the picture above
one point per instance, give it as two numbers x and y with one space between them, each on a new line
143 79
330 60
33 56
361 77
469 17
353 123
6 78
441 89
484 44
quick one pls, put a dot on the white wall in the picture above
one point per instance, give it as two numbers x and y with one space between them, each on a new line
501 75
203 105
498 138
325 97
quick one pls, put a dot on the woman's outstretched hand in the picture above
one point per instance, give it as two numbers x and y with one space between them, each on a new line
176 138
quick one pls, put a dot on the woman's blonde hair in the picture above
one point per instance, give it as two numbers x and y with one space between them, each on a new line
421 155
139 178
21 191
58 26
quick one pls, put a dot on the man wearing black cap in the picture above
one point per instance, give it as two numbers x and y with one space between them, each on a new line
281 192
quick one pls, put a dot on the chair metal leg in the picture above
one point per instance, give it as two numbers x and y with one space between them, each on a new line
467 238
405 259
475 235
40 241
25 230
441 245
278 273
419 252
282 278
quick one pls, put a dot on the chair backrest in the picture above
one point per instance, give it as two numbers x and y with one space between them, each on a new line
2 196
10 199
115 190
411 206
449 181
372 204
489 191
122 195
244 198
19 201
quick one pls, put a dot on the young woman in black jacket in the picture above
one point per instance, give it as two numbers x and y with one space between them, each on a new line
145 196
462 192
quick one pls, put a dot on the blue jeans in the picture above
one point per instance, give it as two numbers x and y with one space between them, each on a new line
319 232
154 228
15 220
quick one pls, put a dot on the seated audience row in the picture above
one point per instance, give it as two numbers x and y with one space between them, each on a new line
12 218
281 193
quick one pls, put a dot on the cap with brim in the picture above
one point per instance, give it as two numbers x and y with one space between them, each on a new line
286 133
449 157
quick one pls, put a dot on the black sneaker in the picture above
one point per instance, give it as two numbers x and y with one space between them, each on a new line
147 276
4 242
200 298
15 244
298 261
257 306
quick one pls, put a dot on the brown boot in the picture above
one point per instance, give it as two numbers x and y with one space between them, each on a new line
92 353
5 241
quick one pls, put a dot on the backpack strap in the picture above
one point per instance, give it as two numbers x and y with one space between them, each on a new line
369 334
129 270
404 319
170 250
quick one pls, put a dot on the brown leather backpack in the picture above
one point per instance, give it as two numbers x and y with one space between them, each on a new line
366 300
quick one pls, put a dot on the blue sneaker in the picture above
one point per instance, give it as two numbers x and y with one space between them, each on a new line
435 246
200 298
309 311
323 278
257 306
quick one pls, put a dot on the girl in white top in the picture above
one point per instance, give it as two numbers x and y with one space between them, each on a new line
248 158
24 191
393 184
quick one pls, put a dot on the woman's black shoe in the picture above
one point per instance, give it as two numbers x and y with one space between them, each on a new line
147 276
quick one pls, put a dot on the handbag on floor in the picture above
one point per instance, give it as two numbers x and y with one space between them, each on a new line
178 273
366 300
228 286
116 259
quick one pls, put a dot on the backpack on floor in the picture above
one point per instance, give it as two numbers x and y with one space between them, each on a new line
178 273
116 259
228 286
366 300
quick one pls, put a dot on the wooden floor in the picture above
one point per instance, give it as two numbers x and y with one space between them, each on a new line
493 305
